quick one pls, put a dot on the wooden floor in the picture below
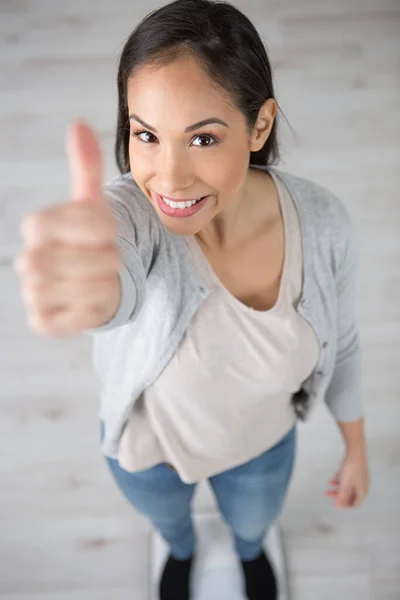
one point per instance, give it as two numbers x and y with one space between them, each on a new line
66 533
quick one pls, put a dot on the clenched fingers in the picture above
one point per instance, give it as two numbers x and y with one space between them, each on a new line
70 223
76 296
64 322
44 263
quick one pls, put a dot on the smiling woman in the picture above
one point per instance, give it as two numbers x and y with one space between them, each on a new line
175 65
241 319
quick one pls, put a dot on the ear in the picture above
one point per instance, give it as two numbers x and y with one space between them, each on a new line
263 125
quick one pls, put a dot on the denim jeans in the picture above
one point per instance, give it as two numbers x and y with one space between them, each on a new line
249 496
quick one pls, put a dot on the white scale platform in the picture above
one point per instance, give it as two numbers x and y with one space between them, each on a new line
217 573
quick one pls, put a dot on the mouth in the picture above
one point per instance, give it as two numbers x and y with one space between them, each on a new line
179 209
180 201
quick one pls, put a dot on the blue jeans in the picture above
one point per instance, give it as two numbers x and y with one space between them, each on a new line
249 496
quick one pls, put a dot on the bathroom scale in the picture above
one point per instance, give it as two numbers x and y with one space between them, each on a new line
216 570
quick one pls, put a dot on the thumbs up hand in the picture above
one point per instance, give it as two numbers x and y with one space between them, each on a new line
69 265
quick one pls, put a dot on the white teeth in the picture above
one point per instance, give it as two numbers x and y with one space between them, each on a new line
179 204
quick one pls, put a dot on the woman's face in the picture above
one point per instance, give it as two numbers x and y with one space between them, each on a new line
210 160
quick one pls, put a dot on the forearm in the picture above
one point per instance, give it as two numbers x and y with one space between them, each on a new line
353 435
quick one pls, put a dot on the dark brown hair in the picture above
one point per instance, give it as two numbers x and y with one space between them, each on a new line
227 46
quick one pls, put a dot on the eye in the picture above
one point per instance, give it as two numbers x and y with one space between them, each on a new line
208 136
138 133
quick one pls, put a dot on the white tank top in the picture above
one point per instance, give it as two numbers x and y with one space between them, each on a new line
224 397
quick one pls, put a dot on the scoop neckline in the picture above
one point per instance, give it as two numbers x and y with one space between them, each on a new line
287 249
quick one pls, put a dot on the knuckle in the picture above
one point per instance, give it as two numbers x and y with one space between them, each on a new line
34 292
38 322
27 261
30 224
32 263
33 260
22 264
50 323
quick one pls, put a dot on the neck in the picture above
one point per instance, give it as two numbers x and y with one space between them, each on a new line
243 215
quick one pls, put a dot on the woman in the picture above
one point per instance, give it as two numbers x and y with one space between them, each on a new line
235 305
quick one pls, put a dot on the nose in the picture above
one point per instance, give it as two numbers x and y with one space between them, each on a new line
174 172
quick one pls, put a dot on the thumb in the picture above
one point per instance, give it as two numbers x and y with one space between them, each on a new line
85 162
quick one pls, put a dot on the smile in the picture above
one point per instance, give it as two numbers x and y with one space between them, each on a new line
185 208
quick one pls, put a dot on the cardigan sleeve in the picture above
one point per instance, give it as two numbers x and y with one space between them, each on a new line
344 396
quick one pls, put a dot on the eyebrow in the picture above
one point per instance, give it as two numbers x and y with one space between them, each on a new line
188 129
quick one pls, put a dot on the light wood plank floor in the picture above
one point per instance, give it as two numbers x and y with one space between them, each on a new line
65 531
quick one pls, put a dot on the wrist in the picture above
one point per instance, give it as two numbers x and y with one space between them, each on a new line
353 436
358 450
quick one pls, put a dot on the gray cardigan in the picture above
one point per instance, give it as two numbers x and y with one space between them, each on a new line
161 291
